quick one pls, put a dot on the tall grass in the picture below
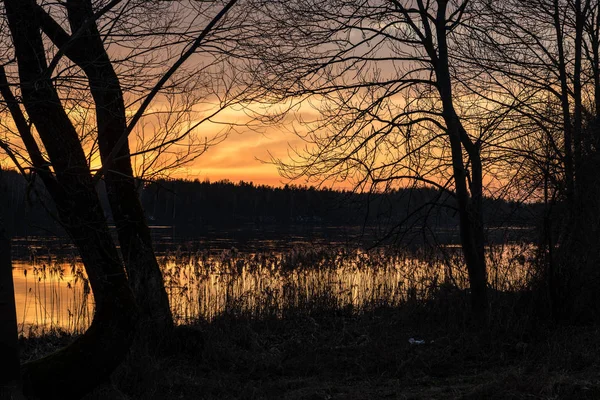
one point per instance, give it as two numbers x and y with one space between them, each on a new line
270 284
203 285
55 295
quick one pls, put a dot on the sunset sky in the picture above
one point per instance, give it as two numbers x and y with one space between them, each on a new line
242 156
246 153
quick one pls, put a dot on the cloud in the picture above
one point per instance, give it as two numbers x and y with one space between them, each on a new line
242 156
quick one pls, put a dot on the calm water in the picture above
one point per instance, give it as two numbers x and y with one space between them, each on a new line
52 295
208 276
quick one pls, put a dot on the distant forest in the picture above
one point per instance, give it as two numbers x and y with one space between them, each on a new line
195 207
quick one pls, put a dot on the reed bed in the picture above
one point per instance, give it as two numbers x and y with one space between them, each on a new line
52 295
271 284
55 294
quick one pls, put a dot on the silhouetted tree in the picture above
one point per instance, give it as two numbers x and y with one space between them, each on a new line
58 151
539 62
390 102
10 376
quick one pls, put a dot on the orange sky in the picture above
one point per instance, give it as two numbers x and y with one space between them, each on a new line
239 158
245 154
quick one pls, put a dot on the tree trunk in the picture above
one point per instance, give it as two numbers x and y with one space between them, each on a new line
469 205
471 227
578 106
87 51
10 379
134 235
78 368
564 97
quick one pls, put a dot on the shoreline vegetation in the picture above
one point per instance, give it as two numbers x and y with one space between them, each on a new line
202 285
301 339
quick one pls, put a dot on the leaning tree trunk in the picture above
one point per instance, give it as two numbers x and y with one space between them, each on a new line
76 369
10 378
144 274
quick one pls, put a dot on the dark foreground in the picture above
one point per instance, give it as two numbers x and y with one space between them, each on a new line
340 355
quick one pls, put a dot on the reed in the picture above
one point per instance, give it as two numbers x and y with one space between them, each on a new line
271 284
56 298
203 286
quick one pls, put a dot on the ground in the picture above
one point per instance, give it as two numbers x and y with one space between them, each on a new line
341 355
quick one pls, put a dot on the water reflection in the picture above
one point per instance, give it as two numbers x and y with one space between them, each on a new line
52 295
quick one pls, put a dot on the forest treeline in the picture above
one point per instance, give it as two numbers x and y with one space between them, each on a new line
194 207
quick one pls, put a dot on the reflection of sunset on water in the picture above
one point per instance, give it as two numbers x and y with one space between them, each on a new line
52 296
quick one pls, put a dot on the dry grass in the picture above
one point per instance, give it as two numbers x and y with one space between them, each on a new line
295 326
52 295
203 286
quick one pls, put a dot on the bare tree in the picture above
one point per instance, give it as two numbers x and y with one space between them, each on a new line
539 61
390 109
60 65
